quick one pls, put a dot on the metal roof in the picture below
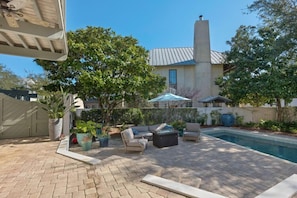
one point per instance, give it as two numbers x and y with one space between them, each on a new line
179 56
218 99
33 28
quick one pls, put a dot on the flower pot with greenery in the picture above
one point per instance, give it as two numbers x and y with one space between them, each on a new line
85 129
54 105
103 137
86 142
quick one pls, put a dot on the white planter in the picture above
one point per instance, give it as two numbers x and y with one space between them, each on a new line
55 127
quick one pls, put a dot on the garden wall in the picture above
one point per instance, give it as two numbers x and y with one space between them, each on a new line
250 114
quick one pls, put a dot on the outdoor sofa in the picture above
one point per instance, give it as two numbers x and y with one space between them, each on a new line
162 135
147 131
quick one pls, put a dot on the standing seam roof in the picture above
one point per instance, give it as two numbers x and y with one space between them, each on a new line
180 56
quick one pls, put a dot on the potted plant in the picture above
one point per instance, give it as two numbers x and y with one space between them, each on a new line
85 129
86 142
103 137
179 125
55 106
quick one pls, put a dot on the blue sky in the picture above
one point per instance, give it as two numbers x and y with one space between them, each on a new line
154 23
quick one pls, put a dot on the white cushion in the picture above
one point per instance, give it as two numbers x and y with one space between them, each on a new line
128 134
194 127
137 142
157 127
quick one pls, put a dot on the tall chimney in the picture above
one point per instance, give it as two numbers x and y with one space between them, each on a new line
201 54
201 41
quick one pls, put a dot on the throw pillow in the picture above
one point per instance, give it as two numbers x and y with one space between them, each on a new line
135 132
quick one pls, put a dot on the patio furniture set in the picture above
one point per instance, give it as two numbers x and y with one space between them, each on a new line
136 138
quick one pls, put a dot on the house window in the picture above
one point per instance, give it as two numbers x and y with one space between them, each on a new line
173 78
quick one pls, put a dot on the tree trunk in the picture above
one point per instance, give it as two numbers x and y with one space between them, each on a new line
278 110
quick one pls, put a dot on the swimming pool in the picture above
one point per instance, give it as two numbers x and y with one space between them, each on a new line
281 147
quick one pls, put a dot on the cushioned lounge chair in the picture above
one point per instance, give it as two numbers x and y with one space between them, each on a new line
192 132
132 144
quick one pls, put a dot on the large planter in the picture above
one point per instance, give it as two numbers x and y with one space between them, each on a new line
81 136
228 119
55 127
103 141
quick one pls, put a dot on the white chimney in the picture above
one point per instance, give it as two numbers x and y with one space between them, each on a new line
201 54
201 41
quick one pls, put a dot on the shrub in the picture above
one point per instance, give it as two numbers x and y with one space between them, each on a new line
133 116
179 125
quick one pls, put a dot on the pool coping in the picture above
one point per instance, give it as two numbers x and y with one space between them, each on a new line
285 188
253 133
63 149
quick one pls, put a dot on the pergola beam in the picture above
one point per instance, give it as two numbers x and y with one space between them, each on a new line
30 29
34 53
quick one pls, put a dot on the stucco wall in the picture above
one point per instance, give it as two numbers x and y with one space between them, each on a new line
216 71
186 79
250 114
185 75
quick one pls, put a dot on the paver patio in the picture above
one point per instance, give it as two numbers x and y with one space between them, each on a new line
33 169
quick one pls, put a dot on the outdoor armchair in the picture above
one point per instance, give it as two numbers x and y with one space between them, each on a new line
132 144
192 132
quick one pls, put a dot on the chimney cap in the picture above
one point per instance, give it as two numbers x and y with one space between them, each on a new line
201 17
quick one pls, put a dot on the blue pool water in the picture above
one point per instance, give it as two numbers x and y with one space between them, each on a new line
279 147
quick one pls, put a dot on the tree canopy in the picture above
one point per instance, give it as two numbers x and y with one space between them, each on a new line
8 80
263 58
104 66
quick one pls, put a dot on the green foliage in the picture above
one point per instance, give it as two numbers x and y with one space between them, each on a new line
93 115
133 116
105 66
202 119
289 127
86 127
264 57
150 116
281 15
252 125
238 120
8 79
215 117
178 125
155 115
54 104
264 70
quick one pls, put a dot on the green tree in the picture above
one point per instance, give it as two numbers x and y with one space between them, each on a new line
105 66
264 57
281 16
8 80
263 72
37 83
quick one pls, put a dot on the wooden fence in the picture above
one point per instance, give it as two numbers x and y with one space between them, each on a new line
21 118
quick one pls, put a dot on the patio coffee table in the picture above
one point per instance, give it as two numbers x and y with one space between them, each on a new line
165 138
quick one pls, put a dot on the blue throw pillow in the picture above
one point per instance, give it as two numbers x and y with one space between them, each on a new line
168 127
135 132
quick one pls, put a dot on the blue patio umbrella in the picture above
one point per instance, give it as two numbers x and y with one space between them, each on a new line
168 97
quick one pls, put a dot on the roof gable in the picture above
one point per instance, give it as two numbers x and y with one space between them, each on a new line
179 56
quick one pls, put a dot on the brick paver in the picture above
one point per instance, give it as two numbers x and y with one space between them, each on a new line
32 168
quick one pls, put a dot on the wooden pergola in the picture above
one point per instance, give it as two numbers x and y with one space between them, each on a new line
33 28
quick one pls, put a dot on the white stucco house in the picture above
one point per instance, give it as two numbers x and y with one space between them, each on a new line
191 68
